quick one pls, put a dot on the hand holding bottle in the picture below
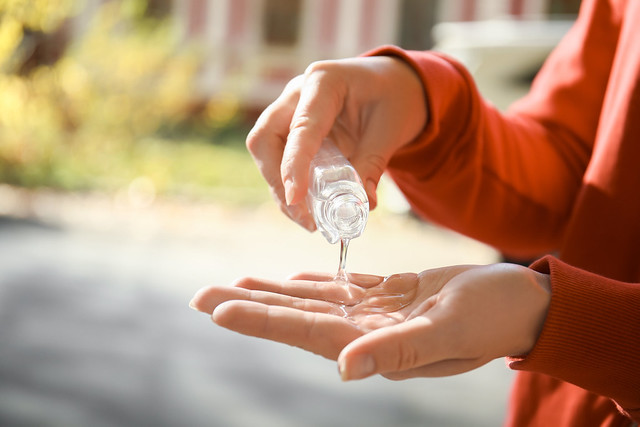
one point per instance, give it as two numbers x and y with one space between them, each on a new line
368 106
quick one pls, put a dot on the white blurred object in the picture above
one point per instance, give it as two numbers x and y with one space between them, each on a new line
503 55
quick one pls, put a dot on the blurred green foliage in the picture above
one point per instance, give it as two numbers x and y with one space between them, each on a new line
95 105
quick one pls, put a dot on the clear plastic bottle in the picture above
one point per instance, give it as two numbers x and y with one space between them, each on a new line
336 197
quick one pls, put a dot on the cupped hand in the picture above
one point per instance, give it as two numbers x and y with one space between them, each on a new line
368 106
454 319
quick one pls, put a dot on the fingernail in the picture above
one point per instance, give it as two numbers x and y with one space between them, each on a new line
194 300
288 191
360 367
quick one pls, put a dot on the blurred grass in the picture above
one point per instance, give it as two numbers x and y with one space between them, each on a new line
112 105
190 168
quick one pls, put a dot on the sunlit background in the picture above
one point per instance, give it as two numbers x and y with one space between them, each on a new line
125 186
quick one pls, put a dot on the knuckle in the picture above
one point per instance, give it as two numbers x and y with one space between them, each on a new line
301 121
327 77
318 67
310 328
253 140
261 127
294 84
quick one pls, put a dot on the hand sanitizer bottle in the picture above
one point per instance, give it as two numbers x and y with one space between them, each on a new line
336 197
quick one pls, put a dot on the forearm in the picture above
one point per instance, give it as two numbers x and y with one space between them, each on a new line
499 178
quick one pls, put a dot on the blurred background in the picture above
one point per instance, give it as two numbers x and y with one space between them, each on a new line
125 187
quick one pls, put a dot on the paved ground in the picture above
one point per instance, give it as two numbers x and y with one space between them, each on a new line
95 329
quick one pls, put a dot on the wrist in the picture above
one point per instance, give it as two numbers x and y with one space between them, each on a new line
539 288
406 83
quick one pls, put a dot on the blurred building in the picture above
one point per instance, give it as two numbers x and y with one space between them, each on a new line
251 48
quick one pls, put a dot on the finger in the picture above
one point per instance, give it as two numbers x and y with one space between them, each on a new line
330 291
363 280
266 139
207 299
319 333
321 100
370 167
380 139
398 348
311 275
438 369
266 142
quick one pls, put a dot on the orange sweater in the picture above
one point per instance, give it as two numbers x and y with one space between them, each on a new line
559 171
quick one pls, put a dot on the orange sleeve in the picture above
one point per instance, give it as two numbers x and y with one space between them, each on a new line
590 336
507 179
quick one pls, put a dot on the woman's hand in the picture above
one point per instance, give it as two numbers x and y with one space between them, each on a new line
368 106
452 319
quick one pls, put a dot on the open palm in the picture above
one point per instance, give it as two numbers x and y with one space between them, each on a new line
439 322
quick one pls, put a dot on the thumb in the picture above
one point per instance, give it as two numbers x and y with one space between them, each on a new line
392 349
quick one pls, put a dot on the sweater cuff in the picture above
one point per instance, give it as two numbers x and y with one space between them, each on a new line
590 336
